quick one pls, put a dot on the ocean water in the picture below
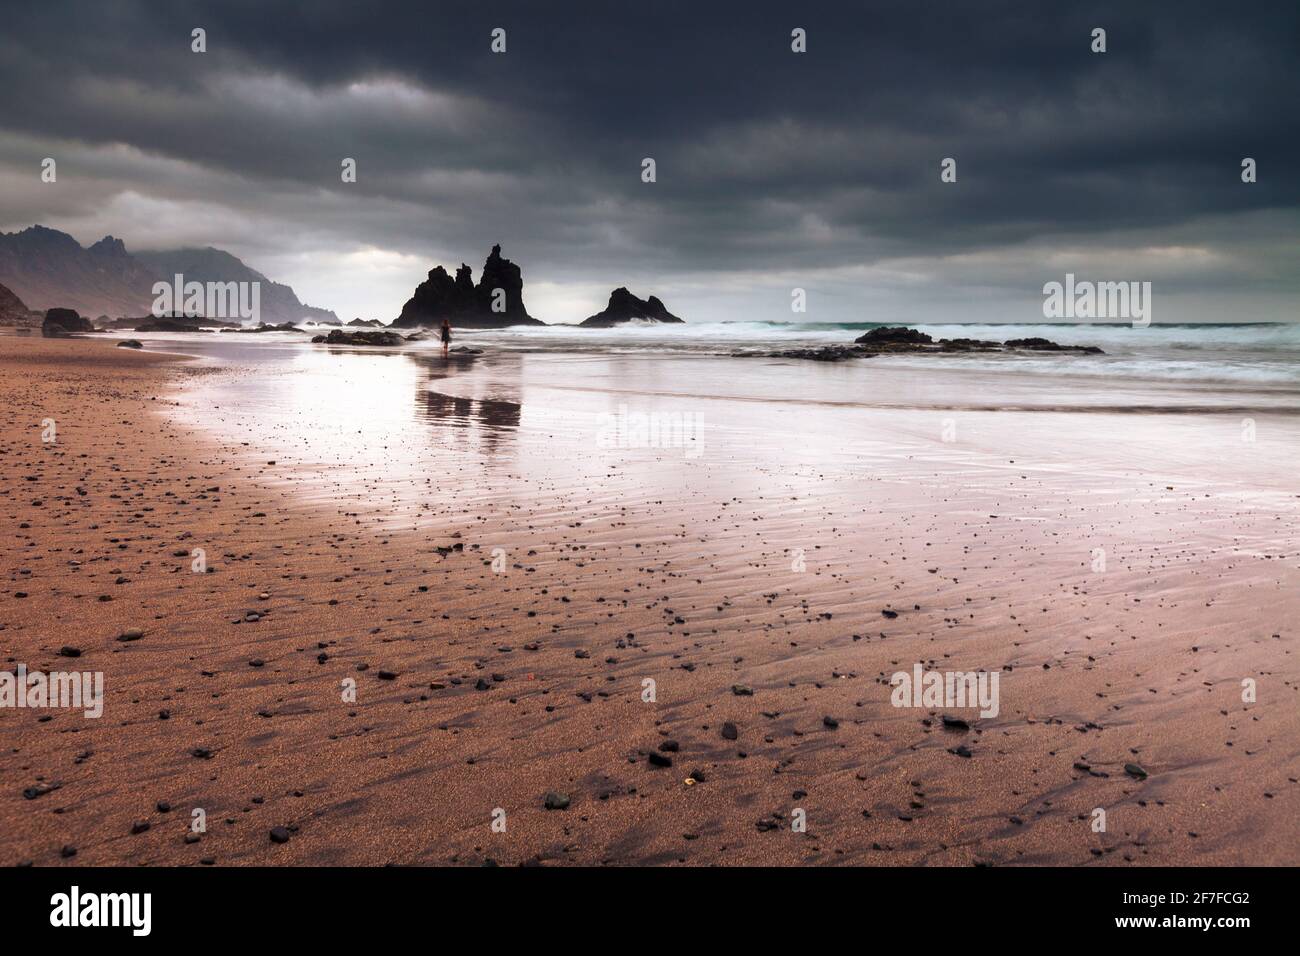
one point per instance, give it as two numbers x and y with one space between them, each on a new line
1257 355
380 425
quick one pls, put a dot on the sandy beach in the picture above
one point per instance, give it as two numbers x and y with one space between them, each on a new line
501 578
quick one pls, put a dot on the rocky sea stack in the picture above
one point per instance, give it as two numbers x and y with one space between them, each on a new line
496 302
625 307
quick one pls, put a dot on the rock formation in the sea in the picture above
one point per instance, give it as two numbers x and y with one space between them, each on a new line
366 323
168 324
282 327
48 268
625 307
171 323
130 344
62 323
898 340
339 337
1045 345
892 336
496 302
13 311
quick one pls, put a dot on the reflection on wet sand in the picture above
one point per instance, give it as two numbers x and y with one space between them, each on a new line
485 422
488 420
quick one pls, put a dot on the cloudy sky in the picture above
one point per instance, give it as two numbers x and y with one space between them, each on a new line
775 169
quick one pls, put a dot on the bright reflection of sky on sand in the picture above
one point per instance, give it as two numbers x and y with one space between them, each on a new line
411 435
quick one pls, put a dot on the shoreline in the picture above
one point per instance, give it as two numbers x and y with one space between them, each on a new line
613 586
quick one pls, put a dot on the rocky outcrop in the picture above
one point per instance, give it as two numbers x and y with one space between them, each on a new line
172 323
625 307
464 304
339 337
283 327
1044 345
899 340
893 336
166 325
366 323
62 323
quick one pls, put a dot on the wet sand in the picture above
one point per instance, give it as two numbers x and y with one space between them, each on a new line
362 549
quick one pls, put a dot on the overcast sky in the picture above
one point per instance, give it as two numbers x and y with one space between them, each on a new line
775 169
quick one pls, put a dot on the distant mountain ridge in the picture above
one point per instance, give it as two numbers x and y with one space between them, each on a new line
48 269
279 302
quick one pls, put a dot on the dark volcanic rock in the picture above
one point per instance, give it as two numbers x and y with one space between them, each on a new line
130 344
898 340
173 323
1045 345
339 337
893 334
283 327
61 323
625 307
462 303
827 353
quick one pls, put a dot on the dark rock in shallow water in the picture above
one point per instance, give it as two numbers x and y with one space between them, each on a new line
893 334
284 327
366 323
62 323
827 353
339 337
624 307
904 341
462 303
130 344
174 322
166 325
1045 345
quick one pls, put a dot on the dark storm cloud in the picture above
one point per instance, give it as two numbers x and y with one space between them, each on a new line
767 160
